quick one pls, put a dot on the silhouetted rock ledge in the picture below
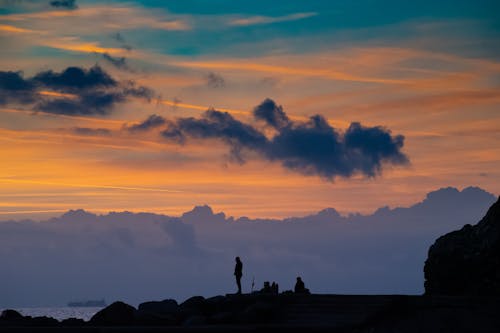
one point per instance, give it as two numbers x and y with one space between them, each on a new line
281 313
467 261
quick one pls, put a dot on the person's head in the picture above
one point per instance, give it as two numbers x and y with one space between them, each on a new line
298 278
237 259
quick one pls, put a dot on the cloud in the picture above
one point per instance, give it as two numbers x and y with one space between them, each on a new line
312 147
372 145
64 4
95 102
119 38
75 78
91 255
91 131
215 80
118 62
271 113
255 20
151 122
73 91
14 89
131 89
218 125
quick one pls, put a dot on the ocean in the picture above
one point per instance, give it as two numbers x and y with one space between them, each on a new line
60 313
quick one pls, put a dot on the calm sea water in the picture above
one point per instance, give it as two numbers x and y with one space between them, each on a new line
60 313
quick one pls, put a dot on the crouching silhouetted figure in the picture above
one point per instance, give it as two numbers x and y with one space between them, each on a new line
238 273
270 288
300 287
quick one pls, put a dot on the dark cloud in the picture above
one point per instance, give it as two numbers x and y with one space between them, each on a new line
315 147
64 4
15 89
312 147
91 131
272 114
75 78
86 104
131 89
86 91
151 122
218 125
372 145
119 38
215 80
118 62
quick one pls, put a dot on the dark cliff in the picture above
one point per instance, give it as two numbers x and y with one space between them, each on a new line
467 261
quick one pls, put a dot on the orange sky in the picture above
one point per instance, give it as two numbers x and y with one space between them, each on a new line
446 104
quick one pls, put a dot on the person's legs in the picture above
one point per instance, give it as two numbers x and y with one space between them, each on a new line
238 282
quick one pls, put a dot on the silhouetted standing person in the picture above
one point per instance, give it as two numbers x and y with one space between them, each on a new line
238 273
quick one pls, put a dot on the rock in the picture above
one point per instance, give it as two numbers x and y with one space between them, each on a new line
118 313
193 302
168 306
13 318
222 318
215 300
11 315
466 261
192 307
44 321
195 320
154 319
73 322
215 304
258 313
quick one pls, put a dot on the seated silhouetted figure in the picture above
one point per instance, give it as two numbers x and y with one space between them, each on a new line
270 288
300 287
266 289
275 288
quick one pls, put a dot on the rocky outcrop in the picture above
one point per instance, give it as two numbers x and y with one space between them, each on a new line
118 313
466 261
286 312
195 311
9 318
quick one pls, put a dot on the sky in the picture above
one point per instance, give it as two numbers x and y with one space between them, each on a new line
257 109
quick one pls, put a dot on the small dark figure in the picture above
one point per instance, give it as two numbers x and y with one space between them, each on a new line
300 287
266 289
238 273
275 288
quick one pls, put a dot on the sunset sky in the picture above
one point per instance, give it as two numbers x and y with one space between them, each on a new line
159 106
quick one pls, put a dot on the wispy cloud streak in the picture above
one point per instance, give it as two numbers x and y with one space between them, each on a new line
256 20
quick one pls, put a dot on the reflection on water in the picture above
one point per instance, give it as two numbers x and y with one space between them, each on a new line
60 313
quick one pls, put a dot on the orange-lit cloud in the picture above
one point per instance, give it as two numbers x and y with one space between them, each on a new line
253 20
258 67
112 187
70 44
57 94
11 28
109 17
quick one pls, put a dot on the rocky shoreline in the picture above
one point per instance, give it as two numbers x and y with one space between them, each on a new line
283 312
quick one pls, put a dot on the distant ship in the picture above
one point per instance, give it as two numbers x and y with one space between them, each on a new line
90 303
